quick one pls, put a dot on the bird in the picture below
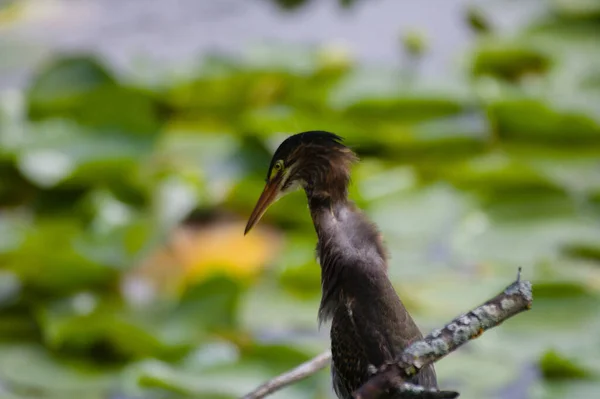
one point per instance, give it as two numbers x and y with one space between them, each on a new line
369 323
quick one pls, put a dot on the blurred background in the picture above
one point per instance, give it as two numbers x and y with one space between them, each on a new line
134 141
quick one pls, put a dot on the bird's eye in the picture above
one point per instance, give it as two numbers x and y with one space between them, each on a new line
276 168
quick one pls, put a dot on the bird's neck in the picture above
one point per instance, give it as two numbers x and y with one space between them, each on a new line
327 184
350 251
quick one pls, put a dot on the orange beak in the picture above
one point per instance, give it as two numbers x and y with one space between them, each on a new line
268 196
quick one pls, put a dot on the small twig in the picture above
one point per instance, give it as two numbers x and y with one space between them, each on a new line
515 299
302 371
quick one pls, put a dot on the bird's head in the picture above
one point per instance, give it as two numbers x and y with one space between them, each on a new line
316 161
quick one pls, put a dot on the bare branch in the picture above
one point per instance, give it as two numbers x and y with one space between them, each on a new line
406 390
515 299
394 376
302 371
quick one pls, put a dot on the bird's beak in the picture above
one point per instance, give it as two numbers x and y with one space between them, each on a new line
268 196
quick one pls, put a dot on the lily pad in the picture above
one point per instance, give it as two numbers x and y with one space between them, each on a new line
556 367
82 89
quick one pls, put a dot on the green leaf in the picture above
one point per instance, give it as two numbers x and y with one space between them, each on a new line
118 108
409 108
81 89
60 151
278 356
436 139
49 261
230 383
28 370
208 306
235 379
577 9
64 82
302 280
509 60
560 289
536 122
478 20
85 324
556 367
563 389
583 251
14 187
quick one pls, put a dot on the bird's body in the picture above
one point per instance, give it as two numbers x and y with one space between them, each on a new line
369 323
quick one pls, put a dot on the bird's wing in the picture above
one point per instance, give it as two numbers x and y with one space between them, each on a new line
340 386
385 329
379 344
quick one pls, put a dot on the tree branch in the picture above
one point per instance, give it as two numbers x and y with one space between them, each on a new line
515 299
304 370
393 376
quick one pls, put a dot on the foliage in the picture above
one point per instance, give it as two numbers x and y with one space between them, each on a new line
124 271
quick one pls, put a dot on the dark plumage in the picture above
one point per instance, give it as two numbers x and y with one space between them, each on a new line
369 323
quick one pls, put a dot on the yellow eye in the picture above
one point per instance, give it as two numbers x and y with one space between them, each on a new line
276 168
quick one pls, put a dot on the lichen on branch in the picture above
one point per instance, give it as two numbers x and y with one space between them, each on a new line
515 298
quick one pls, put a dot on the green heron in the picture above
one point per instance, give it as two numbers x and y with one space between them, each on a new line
369 323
